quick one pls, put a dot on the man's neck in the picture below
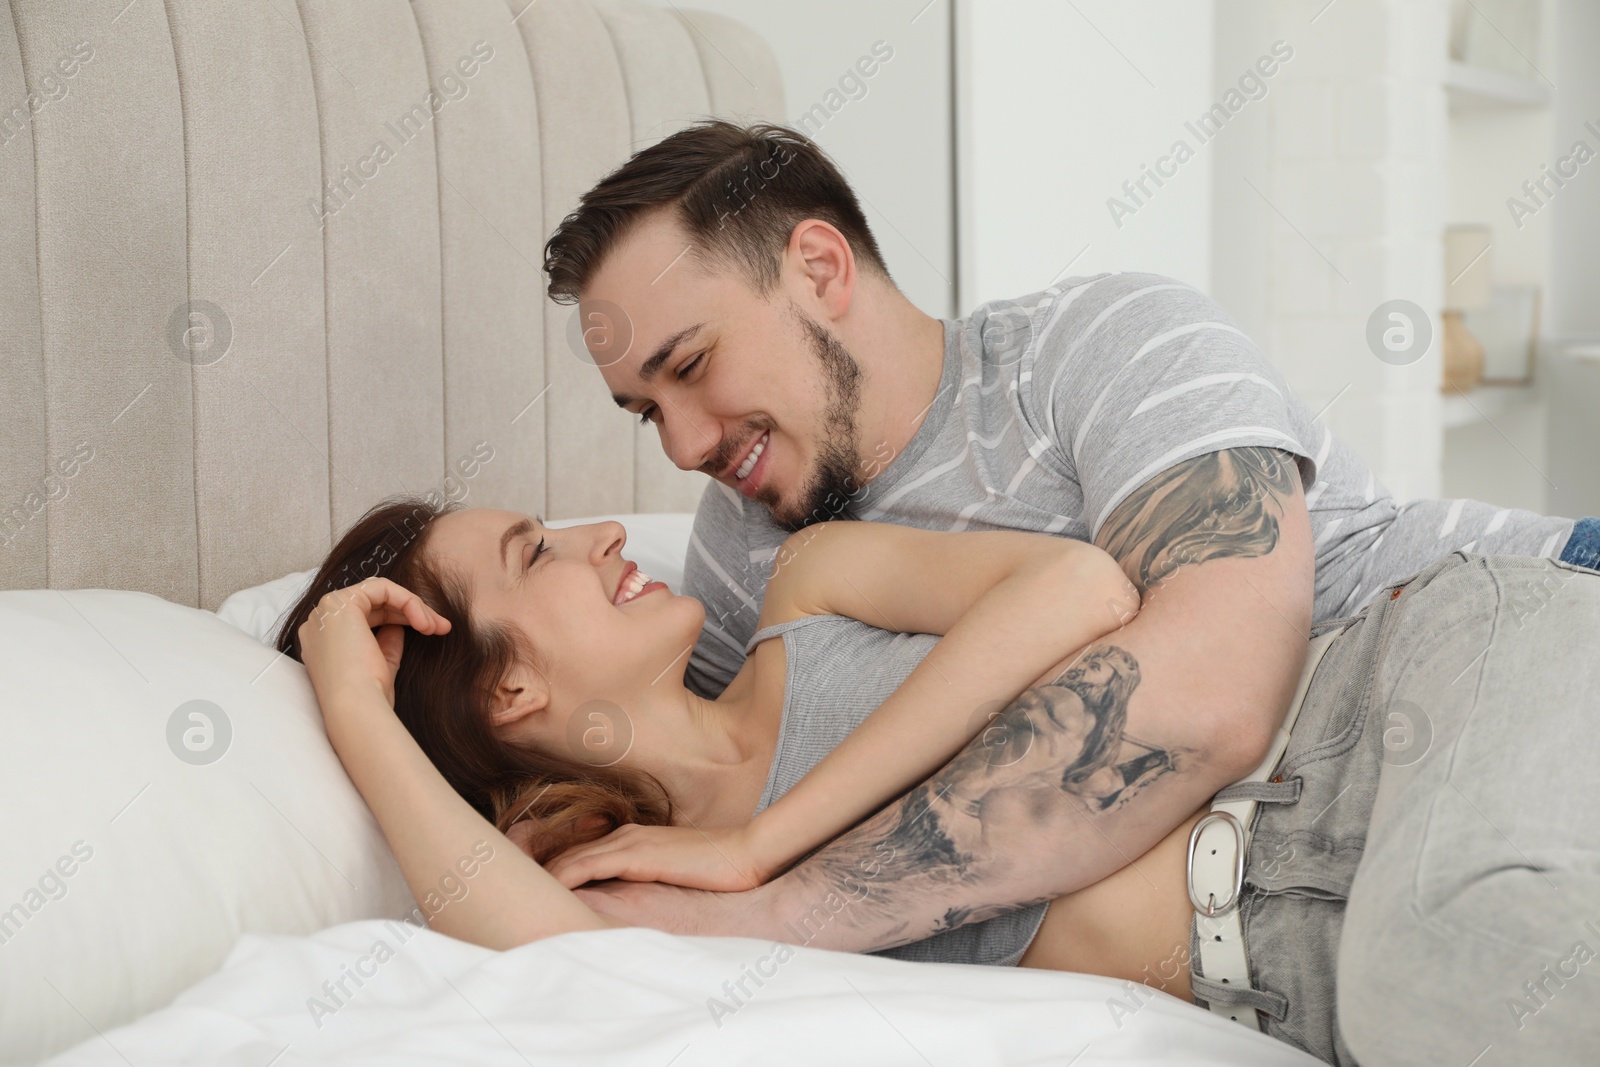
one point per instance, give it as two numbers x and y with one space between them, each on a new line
901 351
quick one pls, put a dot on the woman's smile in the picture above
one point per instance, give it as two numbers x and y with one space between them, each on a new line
635 583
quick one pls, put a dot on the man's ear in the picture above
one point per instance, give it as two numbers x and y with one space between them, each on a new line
826 263
522 692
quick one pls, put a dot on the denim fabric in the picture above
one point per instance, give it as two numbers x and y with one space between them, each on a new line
1583 546
1439 865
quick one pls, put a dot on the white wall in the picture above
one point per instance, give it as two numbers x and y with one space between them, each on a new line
1328 202
1492 152
892 135
1059 105
1241 268
1573 308
1571 386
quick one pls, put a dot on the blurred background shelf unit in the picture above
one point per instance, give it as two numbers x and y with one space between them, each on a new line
1522 90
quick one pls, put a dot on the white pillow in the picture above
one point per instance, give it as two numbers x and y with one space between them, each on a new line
657 543
261 609
130 868
129 873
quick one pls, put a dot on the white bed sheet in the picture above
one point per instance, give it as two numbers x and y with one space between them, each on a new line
636 996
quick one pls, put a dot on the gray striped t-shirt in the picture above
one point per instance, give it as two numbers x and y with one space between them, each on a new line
1053 407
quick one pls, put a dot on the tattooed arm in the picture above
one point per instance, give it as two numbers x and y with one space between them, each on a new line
1101 759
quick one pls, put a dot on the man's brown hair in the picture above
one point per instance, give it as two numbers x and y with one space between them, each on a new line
737 191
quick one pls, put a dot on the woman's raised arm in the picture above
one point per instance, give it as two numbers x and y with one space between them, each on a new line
509 899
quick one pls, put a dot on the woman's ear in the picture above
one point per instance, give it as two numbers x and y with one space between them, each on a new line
522 692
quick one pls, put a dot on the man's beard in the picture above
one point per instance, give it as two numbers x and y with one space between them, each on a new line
833 484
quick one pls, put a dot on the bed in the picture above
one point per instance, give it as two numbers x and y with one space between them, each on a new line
263 265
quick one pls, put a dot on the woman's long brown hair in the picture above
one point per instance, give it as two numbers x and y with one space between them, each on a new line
443 690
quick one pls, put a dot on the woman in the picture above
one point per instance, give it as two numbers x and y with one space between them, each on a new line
495 720
531 643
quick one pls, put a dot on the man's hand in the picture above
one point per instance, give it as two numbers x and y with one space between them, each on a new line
678 910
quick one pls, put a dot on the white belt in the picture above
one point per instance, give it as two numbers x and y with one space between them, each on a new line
1217 848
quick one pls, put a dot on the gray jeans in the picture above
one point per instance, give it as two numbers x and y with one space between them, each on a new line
1423 883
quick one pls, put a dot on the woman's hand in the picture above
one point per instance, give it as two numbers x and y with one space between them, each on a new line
339 649
723 860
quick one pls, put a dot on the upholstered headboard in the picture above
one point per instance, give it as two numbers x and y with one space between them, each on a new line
263 264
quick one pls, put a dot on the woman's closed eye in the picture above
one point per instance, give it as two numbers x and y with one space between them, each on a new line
534 556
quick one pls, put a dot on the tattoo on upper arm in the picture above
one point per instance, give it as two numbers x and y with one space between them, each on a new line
1059 753
1219 504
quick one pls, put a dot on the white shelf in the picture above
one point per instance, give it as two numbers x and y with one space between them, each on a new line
1485 402
1471 88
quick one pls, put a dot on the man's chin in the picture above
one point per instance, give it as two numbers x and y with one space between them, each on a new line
820 499
789 516
808 513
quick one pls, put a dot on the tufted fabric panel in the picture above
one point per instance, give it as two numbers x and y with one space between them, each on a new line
262 265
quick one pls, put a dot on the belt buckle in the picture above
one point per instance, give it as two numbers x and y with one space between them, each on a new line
1210 908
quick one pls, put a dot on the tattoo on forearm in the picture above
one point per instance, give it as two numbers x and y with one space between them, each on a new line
1058 764
1215 505
1058 754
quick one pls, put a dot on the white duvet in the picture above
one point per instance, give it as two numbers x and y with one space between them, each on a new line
381 992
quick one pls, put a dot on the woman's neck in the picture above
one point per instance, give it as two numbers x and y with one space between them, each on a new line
714 769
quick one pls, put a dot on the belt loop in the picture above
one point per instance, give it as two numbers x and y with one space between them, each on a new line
1285 792
1222 995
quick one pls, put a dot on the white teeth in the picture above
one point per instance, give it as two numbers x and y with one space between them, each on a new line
633 586
750 461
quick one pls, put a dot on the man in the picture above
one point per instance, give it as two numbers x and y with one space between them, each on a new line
766 341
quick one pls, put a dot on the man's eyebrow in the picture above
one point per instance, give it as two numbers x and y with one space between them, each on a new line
515 530
652 366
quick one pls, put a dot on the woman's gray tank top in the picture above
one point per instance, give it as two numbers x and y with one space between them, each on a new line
838 671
